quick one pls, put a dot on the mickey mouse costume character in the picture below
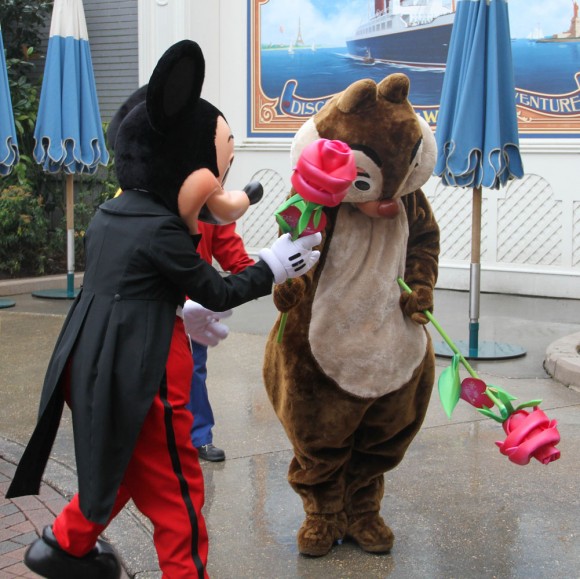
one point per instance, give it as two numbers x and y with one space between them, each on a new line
122 361
222 243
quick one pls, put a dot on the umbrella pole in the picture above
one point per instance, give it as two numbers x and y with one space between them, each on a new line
473 349
70 237
474 273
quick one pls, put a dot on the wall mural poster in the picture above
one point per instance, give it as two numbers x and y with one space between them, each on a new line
303 52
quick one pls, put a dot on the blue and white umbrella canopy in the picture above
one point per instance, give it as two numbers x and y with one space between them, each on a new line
8 144
69 134
477 129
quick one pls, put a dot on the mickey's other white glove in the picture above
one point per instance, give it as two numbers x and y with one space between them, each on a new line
288 259
203 325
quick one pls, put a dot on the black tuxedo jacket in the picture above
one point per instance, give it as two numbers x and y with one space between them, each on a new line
141 262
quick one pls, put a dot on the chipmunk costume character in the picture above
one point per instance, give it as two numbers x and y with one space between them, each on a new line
122 361
351 378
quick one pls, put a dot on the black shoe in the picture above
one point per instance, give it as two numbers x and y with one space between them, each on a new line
46 558
211 453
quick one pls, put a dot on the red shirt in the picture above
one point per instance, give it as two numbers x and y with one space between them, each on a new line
225 245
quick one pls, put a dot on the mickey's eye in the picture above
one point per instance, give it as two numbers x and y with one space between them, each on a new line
226 175
363 181
227 172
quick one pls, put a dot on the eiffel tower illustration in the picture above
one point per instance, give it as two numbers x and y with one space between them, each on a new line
299 41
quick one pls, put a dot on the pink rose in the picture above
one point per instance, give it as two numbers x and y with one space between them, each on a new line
473 392
530 434
324 172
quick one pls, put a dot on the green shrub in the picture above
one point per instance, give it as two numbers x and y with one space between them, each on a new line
32 229
23 25
90 191
24 228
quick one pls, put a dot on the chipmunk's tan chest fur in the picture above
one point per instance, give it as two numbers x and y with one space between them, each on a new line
358 333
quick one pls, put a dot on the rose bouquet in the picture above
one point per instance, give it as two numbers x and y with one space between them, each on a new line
324 172
530 434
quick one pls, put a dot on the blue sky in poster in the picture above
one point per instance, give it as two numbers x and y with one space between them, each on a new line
328 22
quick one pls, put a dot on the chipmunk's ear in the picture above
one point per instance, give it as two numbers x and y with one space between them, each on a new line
175 86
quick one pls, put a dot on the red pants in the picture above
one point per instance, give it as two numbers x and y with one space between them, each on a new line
163 478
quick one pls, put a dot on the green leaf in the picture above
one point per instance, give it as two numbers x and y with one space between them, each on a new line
282 224
450 386
490 414
505 396
529 404
497 401
304 218
317 216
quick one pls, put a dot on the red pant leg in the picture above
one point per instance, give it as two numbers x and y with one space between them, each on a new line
164 479
164 476
75 533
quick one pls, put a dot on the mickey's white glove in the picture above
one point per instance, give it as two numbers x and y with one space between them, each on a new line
203 325
288 259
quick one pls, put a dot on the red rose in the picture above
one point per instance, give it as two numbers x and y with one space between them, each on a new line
324 172
530 434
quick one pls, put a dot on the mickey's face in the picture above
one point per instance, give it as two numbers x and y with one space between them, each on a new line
202 195
224 146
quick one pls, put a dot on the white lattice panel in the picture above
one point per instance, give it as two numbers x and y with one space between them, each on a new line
258 227
452 208
576 236
529 224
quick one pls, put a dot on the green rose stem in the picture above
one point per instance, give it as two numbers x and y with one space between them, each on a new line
498 396
444 335
307 209
282 327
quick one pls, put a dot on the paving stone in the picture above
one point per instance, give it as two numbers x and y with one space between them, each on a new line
26 538
40 518
13 519
8 509
7 546
27 503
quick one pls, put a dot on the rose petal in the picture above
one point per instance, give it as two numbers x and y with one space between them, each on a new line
324 172
534 420
514 420
530 447
473 392
547 454
518 455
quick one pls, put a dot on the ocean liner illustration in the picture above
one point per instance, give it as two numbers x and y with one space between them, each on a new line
412 33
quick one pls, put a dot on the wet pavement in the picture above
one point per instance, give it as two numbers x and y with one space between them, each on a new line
458 508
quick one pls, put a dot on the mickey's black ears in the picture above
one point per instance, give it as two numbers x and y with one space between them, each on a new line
175 85
136 98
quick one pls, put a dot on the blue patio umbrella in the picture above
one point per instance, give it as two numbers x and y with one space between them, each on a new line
8 144
69 134
477 129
